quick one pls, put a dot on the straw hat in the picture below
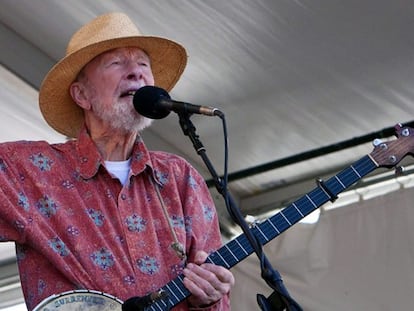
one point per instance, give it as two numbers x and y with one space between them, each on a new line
104 33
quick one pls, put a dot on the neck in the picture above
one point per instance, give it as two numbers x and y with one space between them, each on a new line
114 146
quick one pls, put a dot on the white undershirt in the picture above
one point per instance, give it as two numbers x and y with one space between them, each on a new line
120 169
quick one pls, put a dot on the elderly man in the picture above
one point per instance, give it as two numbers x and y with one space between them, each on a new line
101 212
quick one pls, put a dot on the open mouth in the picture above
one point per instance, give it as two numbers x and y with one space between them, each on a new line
128 93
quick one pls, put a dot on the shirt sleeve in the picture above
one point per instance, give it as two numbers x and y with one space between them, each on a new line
13 202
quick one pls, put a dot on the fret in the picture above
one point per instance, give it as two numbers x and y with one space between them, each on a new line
340 182
180 286
247 246
234 256
310 200
261 232
319 196
291 215
326 193
173 282
351 176
171 292
164 303
159 307
280 222
215 258
237 250
304 206
356 172
244 250
287 220
224 261
274 227
299 211
155 306
219 256
268 229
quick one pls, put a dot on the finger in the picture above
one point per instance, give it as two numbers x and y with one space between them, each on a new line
200 287
200 257
222 274
210 277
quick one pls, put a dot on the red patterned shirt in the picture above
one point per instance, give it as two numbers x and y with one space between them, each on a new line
77 227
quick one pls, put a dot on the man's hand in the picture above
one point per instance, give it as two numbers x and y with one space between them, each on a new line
208 283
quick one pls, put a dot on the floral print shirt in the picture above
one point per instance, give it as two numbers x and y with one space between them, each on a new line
76 227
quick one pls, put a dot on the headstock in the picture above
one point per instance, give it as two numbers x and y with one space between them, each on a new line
390 153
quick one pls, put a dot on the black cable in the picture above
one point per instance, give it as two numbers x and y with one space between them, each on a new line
273 278
280 299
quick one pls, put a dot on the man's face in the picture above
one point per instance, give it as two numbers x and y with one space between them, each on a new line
110 81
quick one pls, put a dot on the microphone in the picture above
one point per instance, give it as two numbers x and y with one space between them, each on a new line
155 103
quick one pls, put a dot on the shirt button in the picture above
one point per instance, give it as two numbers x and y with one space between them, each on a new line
123 196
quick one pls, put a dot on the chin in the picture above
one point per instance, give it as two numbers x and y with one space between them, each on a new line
135 125
143 123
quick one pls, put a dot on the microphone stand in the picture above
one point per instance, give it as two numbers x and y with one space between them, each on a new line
280 299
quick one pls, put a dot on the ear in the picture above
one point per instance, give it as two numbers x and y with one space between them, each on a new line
78 94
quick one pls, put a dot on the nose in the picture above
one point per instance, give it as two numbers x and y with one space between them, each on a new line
135 72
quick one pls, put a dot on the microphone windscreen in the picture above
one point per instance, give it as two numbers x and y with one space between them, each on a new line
147 102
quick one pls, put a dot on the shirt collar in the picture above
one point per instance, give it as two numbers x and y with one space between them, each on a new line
89 158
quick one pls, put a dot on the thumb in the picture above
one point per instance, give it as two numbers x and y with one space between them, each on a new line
200 257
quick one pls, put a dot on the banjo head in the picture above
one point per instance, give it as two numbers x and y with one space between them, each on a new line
80 300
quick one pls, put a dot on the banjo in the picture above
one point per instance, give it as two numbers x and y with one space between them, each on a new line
79 300
385 154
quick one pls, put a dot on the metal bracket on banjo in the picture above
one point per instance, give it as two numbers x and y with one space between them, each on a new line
160 294
140 303
321 184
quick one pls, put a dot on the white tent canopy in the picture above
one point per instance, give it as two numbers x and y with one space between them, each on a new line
354 258
302 84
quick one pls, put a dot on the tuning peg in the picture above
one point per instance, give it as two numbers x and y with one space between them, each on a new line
251 220
377 142
401 130
399 171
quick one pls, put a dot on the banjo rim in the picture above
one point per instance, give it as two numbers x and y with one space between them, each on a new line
51 299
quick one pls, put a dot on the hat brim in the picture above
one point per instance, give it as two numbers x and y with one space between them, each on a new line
168 60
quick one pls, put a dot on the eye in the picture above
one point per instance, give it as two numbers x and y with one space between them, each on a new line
114 61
